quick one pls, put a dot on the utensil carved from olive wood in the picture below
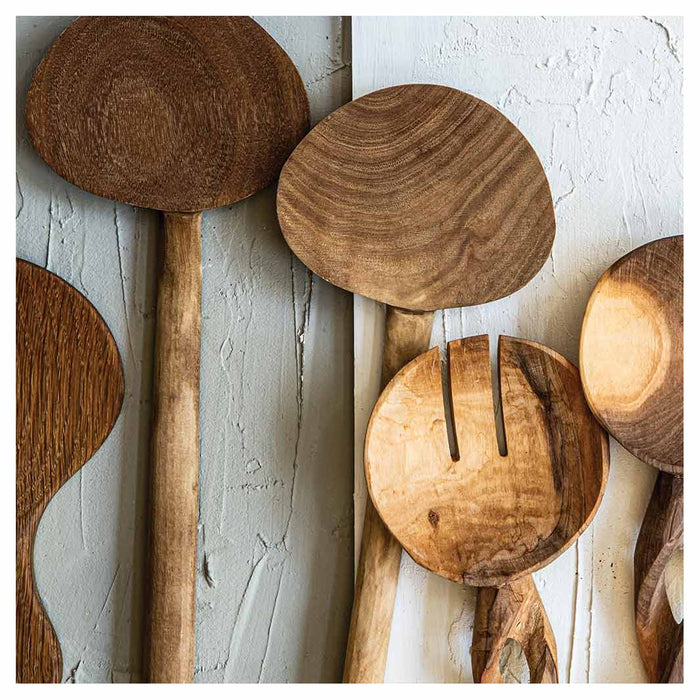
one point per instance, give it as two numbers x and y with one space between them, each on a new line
70 388
422 197
178 114
632 371
487 519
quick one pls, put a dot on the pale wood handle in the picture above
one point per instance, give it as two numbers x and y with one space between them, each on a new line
514 611
660 636
174 454
407 335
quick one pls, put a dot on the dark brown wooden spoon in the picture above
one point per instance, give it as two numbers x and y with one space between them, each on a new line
70 387
478 517
632 370
178 114
422 197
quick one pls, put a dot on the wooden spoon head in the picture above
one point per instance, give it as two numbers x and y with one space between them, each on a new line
632 352
70 388
420 196
486 519
169 113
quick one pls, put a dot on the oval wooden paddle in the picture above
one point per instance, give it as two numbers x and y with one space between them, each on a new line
179 114
482 518
422 197
632 370
70 388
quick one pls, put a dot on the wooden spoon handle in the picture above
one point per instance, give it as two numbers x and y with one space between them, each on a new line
660 636
406 335
174 454
513 612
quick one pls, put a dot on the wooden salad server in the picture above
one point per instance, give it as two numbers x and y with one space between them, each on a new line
478 517
178 114
70 387
632 370
422 197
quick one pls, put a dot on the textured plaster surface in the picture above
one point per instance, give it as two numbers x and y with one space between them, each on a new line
600 99
275 528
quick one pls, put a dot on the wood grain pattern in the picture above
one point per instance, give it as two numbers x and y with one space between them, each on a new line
169 113
632 352
660 636
513 612
70 388
179 114
406 335
420 196
485 519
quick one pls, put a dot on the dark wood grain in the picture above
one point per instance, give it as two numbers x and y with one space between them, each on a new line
70 388
169 113
420 196
486 519
632 352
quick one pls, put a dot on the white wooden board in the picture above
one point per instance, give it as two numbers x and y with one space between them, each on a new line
600 100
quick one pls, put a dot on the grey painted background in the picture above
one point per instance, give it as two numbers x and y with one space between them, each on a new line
276 522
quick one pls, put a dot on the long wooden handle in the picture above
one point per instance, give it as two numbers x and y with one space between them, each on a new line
660 636
407 335
513 612
174 455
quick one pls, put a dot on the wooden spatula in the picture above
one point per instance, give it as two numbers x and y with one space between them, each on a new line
632 370
70 388
179 114
422 197
479 517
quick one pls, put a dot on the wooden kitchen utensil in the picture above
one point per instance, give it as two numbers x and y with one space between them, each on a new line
632 371
479 517
422 197
70 388
178 114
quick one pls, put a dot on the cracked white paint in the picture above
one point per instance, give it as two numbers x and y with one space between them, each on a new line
600 99
275 519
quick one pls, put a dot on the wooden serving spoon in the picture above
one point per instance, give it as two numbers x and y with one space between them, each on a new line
479 517
70 387
179 114
632 370
422 197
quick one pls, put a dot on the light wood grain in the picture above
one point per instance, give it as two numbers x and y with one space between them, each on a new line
70 388
513 613
407 335
485 519
632 352
420 196
179 114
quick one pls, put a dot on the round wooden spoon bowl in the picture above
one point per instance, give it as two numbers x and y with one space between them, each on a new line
484 518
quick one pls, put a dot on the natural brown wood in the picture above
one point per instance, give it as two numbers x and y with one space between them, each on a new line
179 114
423 197
420 196
70 388
632 352
406 335
660 636
486 519
632 370
512 613
174 454
169 113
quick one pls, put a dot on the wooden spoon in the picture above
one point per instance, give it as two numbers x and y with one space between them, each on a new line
70 388
632 370
179 114
422 197
479 517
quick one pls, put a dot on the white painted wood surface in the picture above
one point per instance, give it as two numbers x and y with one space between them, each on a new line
600 99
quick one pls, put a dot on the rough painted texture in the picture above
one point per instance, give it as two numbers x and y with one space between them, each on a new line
275 522
600 100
